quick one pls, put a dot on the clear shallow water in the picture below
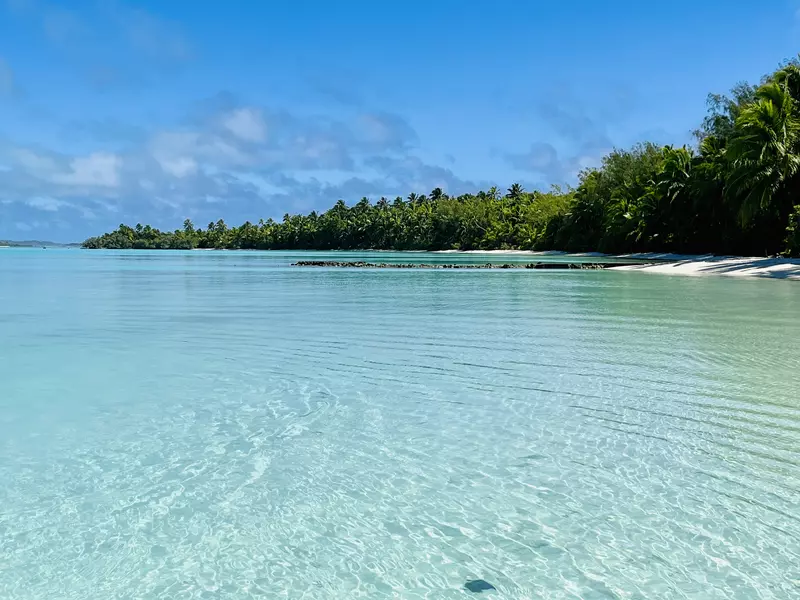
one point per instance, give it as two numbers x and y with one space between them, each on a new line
220 425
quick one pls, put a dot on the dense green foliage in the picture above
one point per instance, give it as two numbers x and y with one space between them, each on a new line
737 192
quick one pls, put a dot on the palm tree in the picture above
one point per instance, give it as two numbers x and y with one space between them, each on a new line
674 179
763 151
789 78
515 191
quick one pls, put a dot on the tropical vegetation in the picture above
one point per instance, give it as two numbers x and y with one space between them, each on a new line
736 191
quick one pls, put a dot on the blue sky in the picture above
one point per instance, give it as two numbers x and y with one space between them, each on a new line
156 111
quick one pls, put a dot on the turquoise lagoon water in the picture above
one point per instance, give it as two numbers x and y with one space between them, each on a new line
222 425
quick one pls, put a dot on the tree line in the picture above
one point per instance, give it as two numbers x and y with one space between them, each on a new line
736 191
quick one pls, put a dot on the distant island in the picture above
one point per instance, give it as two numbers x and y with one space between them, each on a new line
36 244
737 192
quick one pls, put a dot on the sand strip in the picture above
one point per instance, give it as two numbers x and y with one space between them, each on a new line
731 266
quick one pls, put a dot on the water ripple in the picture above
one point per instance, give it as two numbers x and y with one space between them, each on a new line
216 425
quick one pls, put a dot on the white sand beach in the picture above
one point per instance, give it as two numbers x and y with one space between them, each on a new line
730 266
681 264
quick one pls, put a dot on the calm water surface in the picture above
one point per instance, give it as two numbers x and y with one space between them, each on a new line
221 425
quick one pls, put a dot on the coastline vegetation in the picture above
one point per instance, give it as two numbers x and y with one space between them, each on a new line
737 191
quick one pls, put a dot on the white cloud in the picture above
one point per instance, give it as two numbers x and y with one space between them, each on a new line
182 153
167 143
98 169
173 150
228 158
46 203
542 158
247 124
34 163
316 148
385 130
179 167
224 153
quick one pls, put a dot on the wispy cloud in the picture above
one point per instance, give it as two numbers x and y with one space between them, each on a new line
256 161
544 159
46 203
99 169
246 124
225 157
576 133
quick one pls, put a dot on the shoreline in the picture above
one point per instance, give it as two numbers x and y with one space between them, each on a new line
695 265
722 266
549 265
